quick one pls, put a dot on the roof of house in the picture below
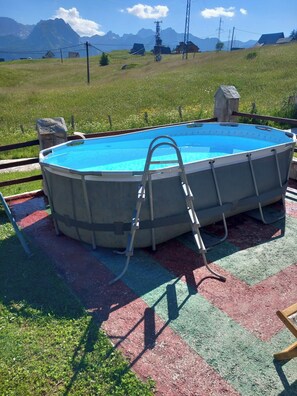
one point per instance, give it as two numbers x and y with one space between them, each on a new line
270 38
284 40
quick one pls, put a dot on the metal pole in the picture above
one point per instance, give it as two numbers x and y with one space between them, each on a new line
15 226
232 38
88 62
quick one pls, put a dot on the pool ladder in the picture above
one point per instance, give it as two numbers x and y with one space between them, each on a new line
141 196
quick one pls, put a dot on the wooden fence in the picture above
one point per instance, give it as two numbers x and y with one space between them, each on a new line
16 164
30 161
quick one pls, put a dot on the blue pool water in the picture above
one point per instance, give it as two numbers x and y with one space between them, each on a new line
128 152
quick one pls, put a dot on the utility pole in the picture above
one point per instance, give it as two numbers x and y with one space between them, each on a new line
229 39
88 62
187 30
232 39
219 30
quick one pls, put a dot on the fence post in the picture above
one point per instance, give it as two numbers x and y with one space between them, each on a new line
226 101
180 112
72 122
110 121
146 117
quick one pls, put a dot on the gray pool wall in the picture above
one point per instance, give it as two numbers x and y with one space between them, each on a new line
98 210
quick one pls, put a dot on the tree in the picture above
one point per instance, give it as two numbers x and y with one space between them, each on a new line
104 61
293 34
219 46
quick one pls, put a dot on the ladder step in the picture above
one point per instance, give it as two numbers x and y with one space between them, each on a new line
200 246
135 220
187 191
193 216
164 162
141 192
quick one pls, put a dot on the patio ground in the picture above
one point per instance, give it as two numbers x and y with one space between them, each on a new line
191 333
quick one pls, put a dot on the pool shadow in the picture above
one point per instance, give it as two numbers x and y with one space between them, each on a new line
88 277
29 285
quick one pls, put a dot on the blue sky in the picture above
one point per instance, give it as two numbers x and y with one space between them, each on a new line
250 18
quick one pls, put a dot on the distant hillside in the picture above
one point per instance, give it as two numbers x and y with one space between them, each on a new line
9 27
52 34
264 76
169 36
17 40
46 35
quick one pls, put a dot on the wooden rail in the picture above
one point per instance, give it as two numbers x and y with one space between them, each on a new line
280 120
110 133
16 164
19 181
19 145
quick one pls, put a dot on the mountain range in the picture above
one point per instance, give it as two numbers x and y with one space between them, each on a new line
55 35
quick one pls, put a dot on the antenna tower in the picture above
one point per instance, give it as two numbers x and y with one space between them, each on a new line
187 30
158 41
220 30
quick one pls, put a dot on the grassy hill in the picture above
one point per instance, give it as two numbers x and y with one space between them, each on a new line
32 89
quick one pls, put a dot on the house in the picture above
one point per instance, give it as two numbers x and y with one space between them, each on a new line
161 49
269 39
138 49
48 55
191 47
73 54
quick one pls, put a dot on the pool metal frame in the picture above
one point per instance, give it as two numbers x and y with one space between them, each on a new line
221 211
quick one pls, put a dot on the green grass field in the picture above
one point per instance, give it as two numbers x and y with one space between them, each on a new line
49 344
48 88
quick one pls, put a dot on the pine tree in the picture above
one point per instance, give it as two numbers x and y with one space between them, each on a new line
104 61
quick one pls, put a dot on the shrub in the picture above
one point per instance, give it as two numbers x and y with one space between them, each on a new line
251 55
104 60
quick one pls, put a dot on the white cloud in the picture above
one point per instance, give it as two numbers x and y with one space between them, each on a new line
218 12
243 11
143 11
83 27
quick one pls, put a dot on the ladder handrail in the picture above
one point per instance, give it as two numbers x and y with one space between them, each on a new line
146 177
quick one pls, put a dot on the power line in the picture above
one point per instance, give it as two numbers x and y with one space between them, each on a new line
41 51
245 31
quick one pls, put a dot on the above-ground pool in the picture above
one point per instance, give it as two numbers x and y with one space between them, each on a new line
92 184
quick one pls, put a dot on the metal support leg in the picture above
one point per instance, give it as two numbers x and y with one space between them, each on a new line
87 203
152 210
249 156
51 203
220 203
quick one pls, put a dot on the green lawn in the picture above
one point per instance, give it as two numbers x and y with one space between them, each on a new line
49 88
49 344
22 187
